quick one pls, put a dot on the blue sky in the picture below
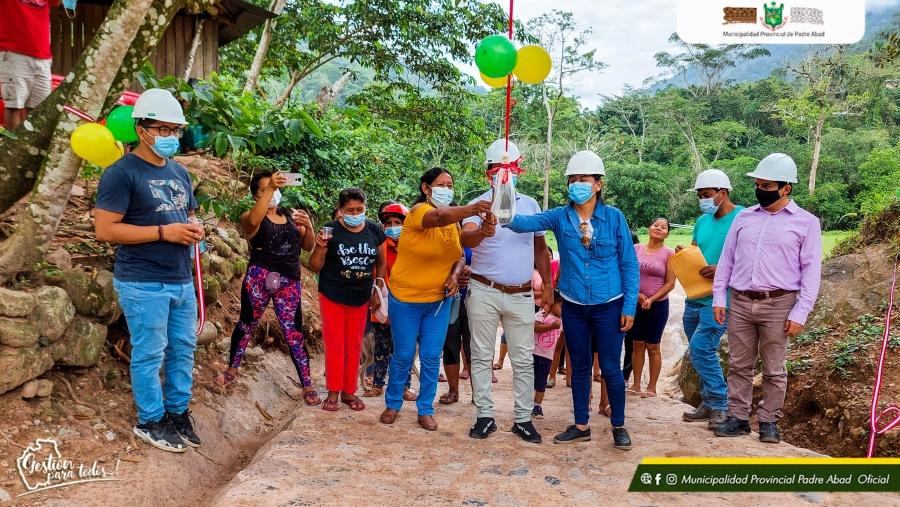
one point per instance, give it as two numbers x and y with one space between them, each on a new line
626 35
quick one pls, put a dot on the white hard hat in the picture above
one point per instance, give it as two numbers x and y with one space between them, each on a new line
158 104
776 167
711 178
585 162
498 154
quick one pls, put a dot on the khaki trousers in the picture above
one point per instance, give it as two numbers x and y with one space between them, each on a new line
756 328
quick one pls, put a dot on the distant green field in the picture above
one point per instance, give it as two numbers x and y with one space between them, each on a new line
683 237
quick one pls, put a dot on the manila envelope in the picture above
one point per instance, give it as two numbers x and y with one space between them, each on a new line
687 264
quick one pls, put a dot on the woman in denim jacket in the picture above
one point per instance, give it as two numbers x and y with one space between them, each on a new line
599 285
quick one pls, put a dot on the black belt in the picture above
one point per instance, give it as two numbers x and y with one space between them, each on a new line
760 295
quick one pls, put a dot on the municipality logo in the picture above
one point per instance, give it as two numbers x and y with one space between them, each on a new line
773 16
42 467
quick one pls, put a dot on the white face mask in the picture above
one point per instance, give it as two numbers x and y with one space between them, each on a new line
276 198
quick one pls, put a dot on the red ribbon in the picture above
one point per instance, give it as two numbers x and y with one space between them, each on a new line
81 114
873 418
509 101
201 303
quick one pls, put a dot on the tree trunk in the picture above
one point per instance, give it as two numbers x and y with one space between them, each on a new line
277 6
295 78
328 96
93 77
198 31
548 148
23 157
815 158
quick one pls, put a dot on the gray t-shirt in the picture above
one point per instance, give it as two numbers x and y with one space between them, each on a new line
149 195
507 257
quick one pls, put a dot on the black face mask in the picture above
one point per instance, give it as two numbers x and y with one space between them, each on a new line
767 198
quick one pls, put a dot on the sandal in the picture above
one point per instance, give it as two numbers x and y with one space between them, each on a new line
409 395
374 392
597 378
550 384
311 398
631 392
464 375
449 398
497 366
606 412
331 406
648 394
355 404
227 379
442 378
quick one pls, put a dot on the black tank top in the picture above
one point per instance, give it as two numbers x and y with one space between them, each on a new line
276 247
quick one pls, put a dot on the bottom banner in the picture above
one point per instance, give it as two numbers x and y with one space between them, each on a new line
766 474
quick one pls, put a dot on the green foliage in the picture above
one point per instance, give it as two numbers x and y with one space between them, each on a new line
812 336
795 365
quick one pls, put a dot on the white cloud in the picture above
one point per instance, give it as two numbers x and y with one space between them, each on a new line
626 36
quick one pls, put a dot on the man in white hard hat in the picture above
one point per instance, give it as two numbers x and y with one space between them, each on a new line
500 292
598 281
144 204
771 264
704 333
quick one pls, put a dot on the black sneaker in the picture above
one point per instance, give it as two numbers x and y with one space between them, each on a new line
537 412
184 427
621 440
768 432
161 434
484 426
732 427
572 435
527 432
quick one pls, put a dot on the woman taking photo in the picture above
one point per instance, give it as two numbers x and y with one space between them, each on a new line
347 252
653 305
424 277
599 285
276 235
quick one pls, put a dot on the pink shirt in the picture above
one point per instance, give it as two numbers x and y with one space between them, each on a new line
545 343
536 285
770 251
653 270
554 268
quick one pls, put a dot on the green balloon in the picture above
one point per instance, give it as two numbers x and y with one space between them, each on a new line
121 124
496 56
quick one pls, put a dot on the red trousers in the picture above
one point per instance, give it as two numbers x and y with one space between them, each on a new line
342 332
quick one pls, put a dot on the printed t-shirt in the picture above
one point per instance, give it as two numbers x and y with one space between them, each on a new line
347 275
545 343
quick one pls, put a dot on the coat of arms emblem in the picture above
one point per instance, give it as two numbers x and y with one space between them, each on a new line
773 16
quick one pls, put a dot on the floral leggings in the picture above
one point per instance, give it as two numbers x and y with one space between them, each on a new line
254 300
384 348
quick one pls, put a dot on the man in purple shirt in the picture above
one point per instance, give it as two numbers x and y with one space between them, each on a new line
771 262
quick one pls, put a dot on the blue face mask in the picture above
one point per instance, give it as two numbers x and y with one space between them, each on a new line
354 220
393 232
441 197
709 206
581 191
496 179
165 147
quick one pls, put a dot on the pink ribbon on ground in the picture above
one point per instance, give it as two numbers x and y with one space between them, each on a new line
874 417
201 303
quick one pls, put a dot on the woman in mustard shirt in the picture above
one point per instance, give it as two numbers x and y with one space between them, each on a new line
424 276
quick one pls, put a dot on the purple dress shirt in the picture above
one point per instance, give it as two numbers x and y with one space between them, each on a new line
768 251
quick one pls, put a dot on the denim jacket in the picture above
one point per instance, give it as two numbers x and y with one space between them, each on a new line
593 274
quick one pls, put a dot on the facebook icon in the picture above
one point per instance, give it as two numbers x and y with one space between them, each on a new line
658 476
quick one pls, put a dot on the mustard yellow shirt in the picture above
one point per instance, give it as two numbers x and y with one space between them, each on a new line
425 258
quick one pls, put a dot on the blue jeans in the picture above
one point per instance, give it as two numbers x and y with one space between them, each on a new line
602 321
162 320
704 334
410 321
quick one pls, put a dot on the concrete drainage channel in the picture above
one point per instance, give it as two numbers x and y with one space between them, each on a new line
233 429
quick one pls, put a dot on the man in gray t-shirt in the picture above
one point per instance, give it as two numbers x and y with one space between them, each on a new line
500 292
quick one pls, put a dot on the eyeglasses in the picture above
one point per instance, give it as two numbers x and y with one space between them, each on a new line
585 238
167 131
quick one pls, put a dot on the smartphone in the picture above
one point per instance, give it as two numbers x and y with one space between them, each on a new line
294 179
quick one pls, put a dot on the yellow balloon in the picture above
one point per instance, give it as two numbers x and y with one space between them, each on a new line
533 64
494 82
110 157
92 141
